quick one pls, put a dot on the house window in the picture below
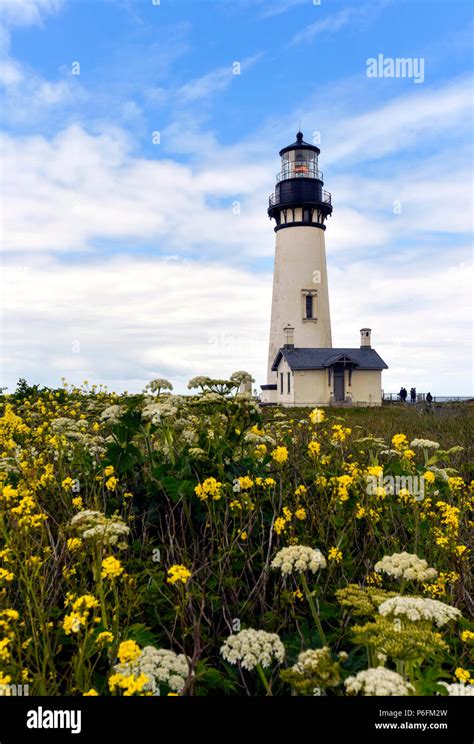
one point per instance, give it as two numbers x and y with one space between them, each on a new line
289 382
309 306
281 383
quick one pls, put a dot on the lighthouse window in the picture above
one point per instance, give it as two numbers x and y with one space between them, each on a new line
309 306
305 215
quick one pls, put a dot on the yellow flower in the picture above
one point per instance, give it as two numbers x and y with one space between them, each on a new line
374 579
178 573
375 470
109 470
429 476
243 535
111 568
314 448
279 525
280 455
4 651
467 636
210 487
90 693
334 554
400 442
74 543
317 416
77 502
298 594
343 483
301 490
460 549
6 575
84 603
104 638
73 622
245 482
287 513
129 683
111 483
67 484
260 451
300 513
408 454
360 511
339 433
128 651
463 675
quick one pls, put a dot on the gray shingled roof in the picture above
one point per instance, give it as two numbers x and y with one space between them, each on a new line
321 358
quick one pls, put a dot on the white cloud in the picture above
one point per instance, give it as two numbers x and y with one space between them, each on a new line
420 314
135 319
214 81
26 95
330 24
27 12
64 194
401 123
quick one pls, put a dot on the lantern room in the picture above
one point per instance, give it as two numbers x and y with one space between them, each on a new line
299 160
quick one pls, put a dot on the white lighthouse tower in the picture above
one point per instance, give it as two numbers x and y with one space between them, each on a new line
299 207
303 367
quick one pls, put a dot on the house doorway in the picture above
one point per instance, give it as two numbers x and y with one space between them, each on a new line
339 382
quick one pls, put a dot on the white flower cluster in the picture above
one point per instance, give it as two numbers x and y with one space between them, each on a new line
166 407
112 414
378 681
70 428
299 558
406 566
160 666
424 444
252 647
419 608
310 659
459 690
159 384
94 525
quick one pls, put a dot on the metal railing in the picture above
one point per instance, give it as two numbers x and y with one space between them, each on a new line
421 398
299 169
275 199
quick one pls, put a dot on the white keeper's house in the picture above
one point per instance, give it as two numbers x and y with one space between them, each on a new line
304 369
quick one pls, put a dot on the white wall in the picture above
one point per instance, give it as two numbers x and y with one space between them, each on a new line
299 255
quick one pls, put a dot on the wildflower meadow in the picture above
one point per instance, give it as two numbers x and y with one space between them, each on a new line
201 545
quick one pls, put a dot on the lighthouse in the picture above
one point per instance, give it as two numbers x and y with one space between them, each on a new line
300 207
303 367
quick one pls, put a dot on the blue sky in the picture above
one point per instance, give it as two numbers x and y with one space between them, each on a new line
125 259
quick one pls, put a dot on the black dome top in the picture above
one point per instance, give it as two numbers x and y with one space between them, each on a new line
300 144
